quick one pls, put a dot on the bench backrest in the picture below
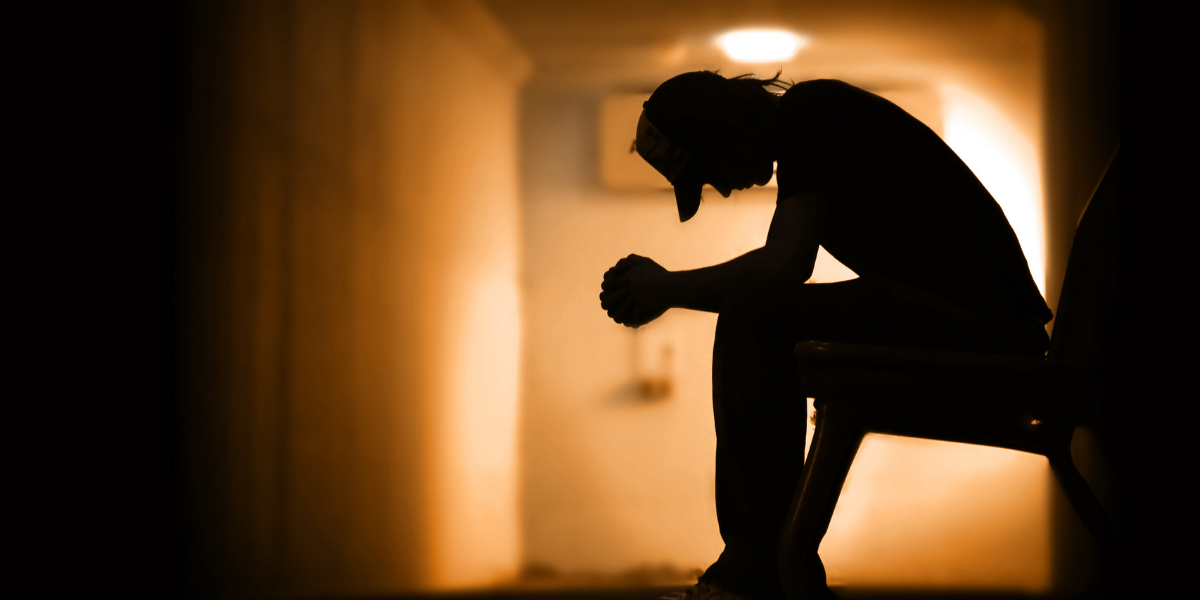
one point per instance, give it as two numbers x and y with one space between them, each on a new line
1085 307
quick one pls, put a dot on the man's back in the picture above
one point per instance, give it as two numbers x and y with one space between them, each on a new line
902 205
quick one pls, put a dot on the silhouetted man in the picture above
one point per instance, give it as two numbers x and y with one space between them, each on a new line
938 267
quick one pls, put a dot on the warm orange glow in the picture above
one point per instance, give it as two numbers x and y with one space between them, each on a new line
477 528
1005 160
828 269
475 308
761 45
927 514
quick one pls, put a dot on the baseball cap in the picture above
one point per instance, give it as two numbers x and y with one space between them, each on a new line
673 161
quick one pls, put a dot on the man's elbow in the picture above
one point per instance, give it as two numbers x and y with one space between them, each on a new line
798 275
789 267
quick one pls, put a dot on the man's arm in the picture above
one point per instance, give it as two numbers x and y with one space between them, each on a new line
637 290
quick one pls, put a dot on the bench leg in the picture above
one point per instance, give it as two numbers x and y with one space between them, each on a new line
1084 501
839 433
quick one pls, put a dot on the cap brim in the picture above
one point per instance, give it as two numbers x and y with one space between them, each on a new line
687 199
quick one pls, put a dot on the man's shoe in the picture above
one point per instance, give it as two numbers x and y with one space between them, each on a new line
704 591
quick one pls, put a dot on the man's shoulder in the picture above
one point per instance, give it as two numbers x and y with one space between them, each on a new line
821 102
820 88
812 113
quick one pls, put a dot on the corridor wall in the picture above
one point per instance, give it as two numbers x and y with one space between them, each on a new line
349 234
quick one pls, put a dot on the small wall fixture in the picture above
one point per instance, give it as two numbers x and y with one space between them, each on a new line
760 45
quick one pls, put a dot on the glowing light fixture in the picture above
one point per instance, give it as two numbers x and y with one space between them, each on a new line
760 45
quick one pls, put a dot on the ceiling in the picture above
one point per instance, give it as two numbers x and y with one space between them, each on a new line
632 45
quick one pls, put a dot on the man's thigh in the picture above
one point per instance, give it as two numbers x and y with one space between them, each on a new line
860 311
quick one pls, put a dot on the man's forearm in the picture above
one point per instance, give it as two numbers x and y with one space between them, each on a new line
706 289
787 257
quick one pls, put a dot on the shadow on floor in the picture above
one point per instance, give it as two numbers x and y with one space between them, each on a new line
654 593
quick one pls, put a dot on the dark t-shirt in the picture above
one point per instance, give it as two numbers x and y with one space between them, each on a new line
902 204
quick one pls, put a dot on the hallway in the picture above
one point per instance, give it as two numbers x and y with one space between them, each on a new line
397 379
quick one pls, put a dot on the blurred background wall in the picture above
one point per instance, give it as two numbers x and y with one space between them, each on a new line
352 322
393 222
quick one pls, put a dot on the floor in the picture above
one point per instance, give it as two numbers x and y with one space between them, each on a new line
643 593
655 593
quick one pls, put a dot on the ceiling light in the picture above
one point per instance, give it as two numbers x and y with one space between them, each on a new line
760 45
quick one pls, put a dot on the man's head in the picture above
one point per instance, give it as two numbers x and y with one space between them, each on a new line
700 128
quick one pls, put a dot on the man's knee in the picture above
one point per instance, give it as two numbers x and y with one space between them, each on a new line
743 310
760 315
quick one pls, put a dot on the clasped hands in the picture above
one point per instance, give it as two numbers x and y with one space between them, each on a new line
633 291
